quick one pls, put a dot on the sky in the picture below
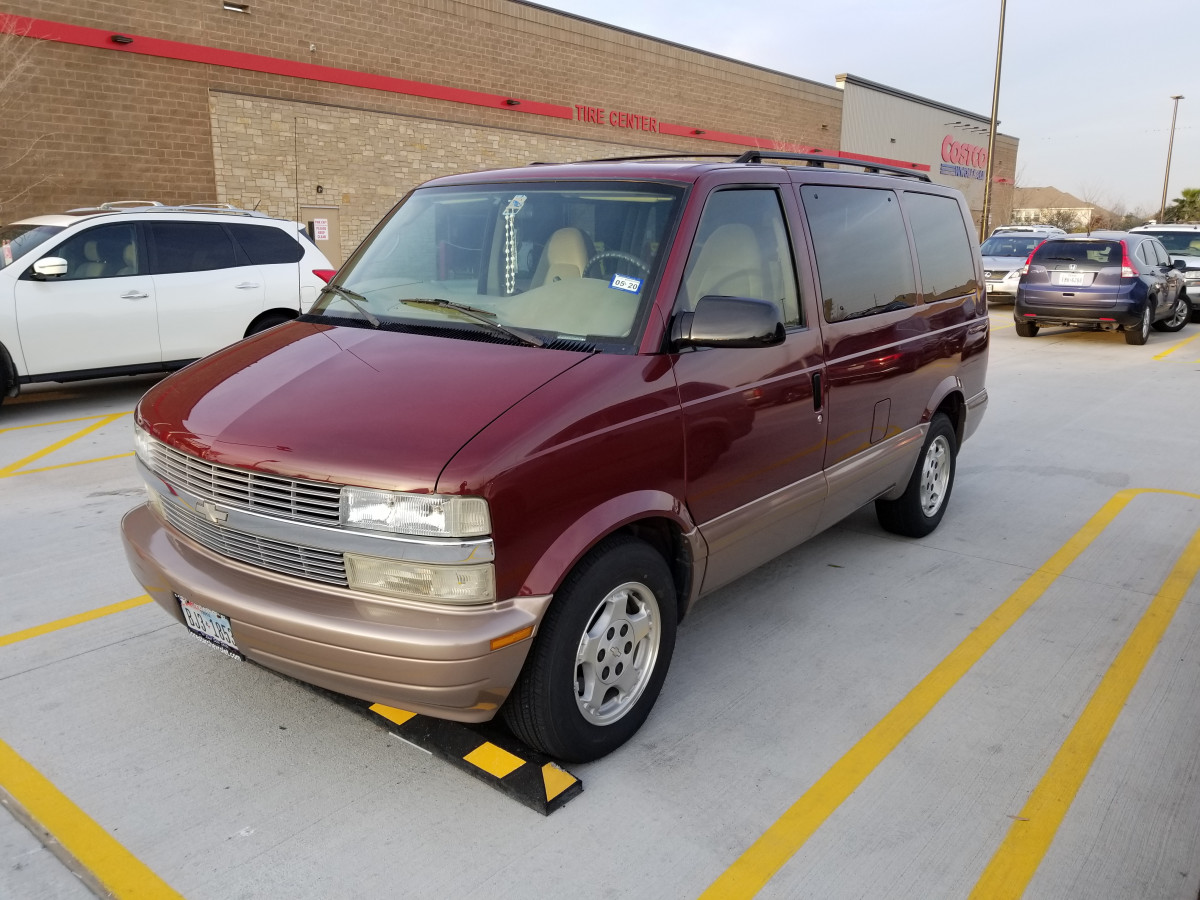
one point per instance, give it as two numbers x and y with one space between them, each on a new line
1086 85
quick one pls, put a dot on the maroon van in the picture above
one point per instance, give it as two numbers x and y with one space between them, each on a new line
541 411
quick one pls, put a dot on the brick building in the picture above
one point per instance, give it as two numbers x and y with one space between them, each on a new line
329 112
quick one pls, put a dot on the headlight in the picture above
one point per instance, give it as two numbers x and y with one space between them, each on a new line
1013 275
436 515
142 444
418 581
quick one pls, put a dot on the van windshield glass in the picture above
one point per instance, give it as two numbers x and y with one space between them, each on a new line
556 262
17 240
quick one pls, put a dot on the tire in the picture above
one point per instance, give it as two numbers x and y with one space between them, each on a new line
1181 314
919 510
1027 329
268 321
616 612
1139 335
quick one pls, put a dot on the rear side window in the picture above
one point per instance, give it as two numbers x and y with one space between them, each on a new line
265 245
943 249
190 247
862 250
1084 254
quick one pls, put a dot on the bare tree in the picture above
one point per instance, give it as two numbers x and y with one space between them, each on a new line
17 146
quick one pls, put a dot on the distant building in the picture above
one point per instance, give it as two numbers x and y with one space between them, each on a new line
1050 206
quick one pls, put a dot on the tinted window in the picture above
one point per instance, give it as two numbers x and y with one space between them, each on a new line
1181 243
1146 253
1086 254
861 249
103 252
265 245
190 247
943 248
1164 258
742 250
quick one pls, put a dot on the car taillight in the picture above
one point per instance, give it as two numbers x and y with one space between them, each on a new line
326 275
1127 268
1029 259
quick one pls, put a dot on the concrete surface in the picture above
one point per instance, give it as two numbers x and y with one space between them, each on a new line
225 781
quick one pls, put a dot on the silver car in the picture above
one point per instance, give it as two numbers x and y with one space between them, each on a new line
1004 253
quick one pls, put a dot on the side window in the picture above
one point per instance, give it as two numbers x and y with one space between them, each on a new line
103 252
266 245
1164 258
190 247
862 250
742 250
1145 254
943 250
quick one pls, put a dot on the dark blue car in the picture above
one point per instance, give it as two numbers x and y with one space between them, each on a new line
1106 280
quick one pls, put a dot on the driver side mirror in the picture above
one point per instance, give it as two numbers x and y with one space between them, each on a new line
1179 264
49 267
729 322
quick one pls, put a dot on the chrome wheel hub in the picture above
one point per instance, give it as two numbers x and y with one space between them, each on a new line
935 475
617 653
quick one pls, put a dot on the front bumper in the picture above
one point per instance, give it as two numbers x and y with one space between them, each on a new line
425 658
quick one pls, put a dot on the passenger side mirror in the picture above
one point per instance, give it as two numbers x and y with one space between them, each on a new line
1179 264
729 322
49 267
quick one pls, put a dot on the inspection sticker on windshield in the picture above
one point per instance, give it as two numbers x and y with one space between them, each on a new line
625 283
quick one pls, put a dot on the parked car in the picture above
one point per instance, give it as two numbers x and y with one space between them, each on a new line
1182 242
1027 228
1106 280
132 287
541 411
1004 254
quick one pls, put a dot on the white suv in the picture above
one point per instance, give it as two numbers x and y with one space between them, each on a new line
1182 242
135 286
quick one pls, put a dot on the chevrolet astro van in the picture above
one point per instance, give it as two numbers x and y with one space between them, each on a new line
541 411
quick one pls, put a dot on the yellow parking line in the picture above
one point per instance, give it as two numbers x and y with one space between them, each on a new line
58 624
755 867
10 470
56 422
1175 347
1029 837
81 462
124 875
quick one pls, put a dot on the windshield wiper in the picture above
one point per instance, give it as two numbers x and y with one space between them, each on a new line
482 316
355 299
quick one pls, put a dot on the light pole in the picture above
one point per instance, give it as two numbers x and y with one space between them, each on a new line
1162 210
987 185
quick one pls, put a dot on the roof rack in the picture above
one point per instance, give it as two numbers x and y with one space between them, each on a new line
820 161
147 206
643 156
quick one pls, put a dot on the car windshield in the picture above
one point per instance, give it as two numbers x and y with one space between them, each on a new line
1179 243
17 240
1086 254
1009 245
537 263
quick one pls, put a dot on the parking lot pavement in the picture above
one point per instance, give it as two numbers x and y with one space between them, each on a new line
1009 706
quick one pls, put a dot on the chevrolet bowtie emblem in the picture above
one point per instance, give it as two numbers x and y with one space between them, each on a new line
211 512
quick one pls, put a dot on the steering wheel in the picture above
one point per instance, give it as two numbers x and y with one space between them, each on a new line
616 254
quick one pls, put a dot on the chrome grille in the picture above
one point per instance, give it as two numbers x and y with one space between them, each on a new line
272 495
278 556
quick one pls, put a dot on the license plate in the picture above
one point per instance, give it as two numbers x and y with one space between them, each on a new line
1073 278
210 626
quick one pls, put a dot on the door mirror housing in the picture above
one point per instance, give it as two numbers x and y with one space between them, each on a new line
729 322
49 267
1179 264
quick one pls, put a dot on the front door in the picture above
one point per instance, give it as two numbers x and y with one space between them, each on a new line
754 428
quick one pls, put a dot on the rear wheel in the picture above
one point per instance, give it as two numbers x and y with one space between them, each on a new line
268 321
600 656
1181 313
919 510
1140 333
1027 329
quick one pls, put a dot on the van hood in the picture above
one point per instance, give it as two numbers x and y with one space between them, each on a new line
382 409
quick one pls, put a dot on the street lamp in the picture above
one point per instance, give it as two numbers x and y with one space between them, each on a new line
987 185
1162 210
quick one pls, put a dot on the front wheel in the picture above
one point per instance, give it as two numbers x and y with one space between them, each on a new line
601 655
920 508
1139 335
1181 314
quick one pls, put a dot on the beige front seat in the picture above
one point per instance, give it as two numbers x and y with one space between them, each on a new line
95 265
130 257
565 256
729 264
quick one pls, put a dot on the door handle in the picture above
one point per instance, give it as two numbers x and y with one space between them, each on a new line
818 400
134 295
245 285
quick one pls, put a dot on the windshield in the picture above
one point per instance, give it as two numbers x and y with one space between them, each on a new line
17 240
1009 245
1179 243
553 262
